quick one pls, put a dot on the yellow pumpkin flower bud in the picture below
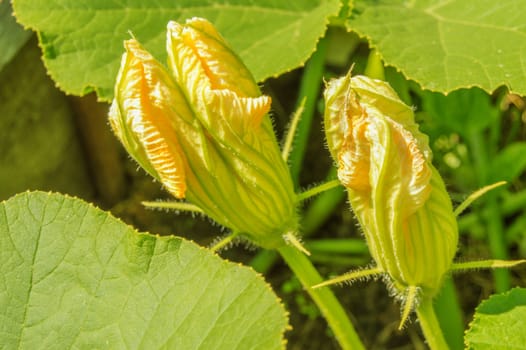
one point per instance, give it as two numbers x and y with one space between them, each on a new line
142 114
204 132
399 198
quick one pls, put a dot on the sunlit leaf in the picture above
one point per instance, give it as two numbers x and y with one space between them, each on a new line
498 323
74 277
445 45
82 40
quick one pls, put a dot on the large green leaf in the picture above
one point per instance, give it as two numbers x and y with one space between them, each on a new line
445 45
499 323
82 40
74 277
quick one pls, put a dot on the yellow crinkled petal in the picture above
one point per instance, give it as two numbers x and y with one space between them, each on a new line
218 85
147 96
354 157
222 67
379 95
241 113
338 99
169 164
414 168
186 66
204 132
400 185
384 161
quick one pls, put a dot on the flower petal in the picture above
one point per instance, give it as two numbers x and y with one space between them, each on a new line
199 57
141 115
243 114
222 66
397 195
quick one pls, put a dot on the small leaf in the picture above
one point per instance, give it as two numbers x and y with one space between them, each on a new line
74 277
82 40
446 45
465 111
509 163
499 322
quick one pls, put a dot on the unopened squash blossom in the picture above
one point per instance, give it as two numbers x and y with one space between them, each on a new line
202 130
399 198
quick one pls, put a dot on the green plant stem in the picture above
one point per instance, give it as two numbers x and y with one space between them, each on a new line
296 117
497 244
476 195
494 220
310 86
224 242
348 246
430 326
343 261
318 189
450 315
329 306
321 207
346 252
179 206
510 204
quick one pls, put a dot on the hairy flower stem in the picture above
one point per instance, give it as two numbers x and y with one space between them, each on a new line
224 242
430 326
318 189
329 306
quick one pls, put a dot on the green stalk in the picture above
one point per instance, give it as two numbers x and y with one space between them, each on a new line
494 219
329 306
510 204
430 326
348 246
497 244
449 315
318 189
321 207
309 88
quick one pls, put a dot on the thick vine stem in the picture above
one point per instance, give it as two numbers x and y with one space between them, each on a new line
430 326
329 306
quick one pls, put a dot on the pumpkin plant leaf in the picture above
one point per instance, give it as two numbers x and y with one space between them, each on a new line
498 323
447 45
82 40
74 277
